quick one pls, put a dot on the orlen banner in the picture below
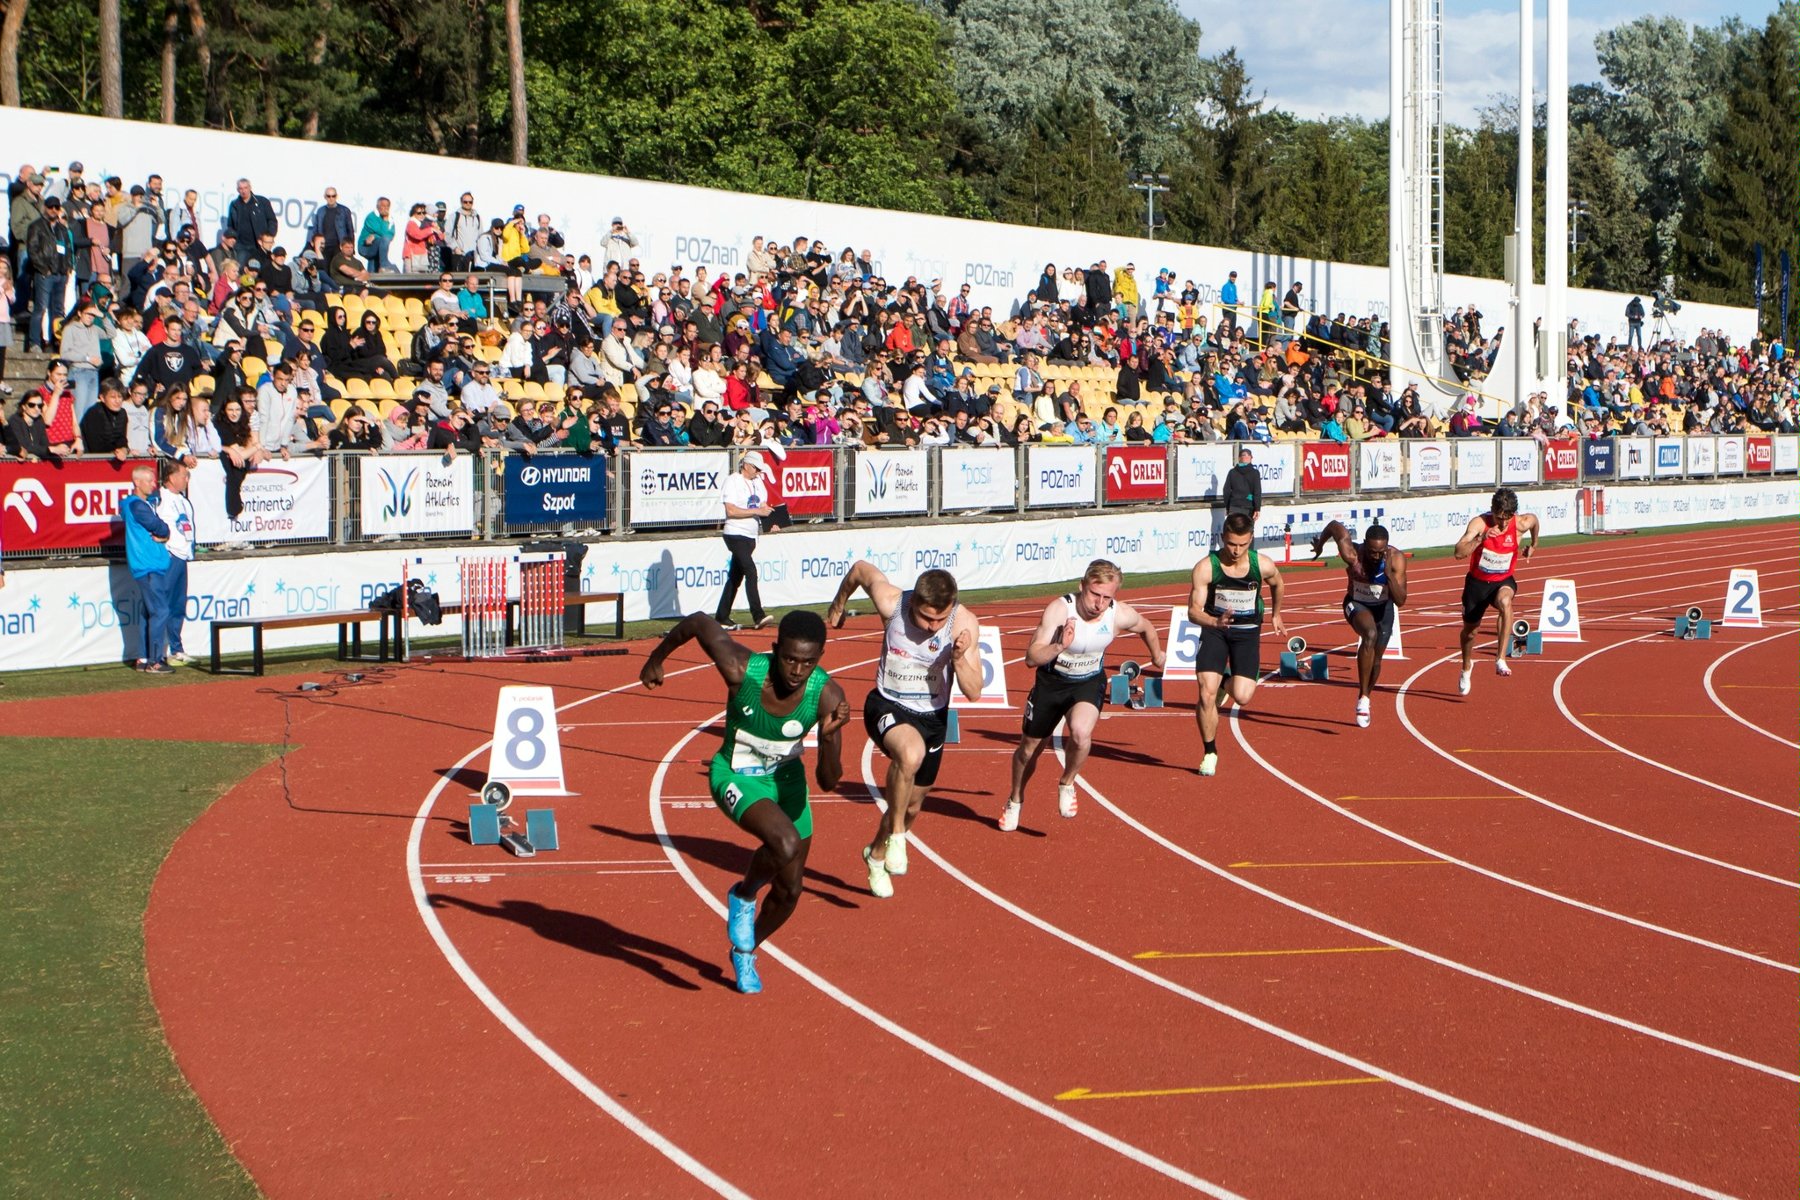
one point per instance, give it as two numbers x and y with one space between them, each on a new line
1477 462
417 493
889 481
972 479
1325 467
63 506
1562 459
283 502
1518 460
678 487
806 482
1760 455
1060 475
1136 473
1428 464
1378 468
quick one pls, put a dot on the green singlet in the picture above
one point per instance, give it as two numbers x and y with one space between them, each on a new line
760 757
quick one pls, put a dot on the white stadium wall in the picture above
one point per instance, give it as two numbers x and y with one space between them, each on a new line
697 226
83 615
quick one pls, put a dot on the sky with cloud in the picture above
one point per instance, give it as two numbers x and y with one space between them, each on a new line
1321 58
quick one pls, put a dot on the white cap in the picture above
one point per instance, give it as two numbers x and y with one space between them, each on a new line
755 459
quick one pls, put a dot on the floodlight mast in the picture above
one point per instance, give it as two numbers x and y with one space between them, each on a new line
1416 191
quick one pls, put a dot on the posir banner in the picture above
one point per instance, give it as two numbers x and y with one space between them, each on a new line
1200 470
1060 476
975 479
1518 460
1477 462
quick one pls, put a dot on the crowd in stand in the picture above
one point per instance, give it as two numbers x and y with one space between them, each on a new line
189 340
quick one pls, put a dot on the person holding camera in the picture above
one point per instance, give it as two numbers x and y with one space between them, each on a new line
422 233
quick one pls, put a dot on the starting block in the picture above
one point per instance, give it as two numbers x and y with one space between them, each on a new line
484 825
1524 640
1691 626
540 828
489 824
1134 689
952 728
1317 668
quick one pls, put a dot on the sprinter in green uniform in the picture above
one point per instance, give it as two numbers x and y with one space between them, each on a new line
771 701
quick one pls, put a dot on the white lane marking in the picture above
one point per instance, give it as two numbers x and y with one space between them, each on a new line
895 1029
1556 691
508 863
1286 1035
474 982
1707 683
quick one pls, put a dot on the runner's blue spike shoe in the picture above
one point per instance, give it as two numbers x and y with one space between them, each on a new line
740 920
743 962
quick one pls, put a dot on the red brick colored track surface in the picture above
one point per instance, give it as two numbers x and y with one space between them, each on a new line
1472 949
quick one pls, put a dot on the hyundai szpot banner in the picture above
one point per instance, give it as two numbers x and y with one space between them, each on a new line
1428 464
417 493
1477 462
1060 476
283 502
891 481
1598 458
1759 455
1200 470
554 489
1378 467
1562 459
1325 467
805 481
678 487
1669 461
1518 460
70 505
972 479
1635 457
1136 473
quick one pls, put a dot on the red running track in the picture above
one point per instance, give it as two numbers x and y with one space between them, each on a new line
1347 965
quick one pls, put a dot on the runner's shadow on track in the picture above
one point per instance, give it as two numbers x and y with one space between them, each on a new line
1421 694
733 859
1311 725
590 934
1120 754
936 803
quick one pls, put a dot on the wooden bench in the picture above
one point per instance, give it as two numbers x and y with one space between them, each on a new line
580 601
349 624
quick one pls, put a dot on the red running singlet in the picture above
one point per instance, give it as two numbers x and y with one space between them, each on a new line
1498 552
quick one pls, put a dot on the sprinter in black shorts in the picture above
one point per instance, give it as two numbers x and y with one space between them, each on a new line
1225 600
1375 585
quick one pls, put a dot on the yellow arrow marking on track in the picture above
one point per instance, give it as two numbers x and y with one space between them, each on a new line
1260 953
1085 1094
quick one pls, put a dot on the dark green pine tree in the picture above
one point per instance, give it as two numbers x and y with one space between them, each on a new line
1614 251
1751 191
1067 174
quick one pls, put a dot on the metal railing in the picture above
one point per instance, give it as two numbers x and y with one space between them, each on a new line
70 509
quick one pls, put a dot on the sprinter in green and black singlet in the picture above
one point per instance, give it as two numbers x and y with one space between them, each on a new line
772 700
1225 600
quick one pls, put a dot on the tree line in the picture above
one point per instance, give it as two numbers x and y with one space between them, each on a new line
1043 112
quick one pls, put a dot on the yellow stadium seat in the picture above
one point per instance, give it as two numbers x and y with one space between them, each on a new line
381 389
628 395
394 304
533 390
405 385
387 407
202 386
255 369
415 308
333 299
512 389
339 408
356 389
333 382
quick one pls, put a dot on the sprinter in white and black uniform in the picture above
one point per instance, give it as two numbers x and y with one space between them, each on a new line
1225 600
929 639
1375 579
1069 652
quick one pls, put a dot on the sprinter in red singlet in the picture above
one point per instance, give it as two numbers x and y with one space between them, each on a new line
1491 544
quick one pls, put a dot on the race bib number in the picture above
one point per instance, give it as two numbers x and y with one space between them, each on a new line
752 755
1079 666
1495 561
1235 602
1369 593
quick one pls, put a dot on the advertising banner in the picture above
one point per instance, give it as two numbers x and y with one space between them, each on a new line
1136 473
678 487
892 481
1702 455
1759 455
1477 462
1428 464
1787 454
1562 460
1379 466
417 493
1274 462
1598 458
971 479
1518 460
805 481
1731 455
1325 467
1634 457
283 502
554 489
1669 460
63 506
1060 476
1200 470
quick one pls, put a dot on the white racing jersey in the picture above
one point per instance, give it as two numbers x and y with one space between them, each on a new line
1085 654
915 667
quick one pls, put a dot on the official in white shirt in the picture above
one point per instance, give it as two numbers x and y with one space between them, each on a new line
172 505
746 503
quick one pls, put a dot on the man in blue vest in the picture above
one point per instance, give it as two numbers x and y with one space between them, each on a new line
147 553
